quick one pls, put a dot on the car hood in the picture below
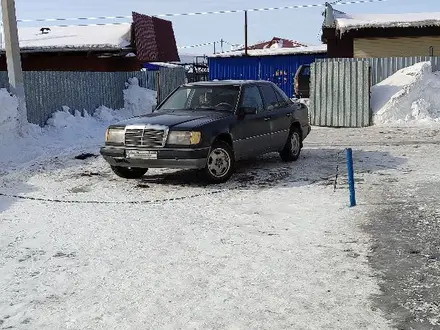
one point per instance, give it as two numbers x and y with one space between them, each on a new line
176 118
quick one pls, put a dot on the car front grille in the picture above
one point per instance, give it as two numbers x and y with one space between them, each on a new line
145 137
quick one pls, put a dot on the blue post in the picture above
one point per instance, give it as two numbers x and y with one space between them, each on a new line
351 177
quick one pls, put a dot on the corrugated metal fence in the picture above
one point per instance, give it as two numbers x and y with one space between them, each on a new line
48 91
340 87
382 68
340 94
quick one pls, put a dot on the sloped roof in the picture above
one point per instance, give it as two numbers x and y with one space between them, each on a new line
75 37
277 51
346 22
286 43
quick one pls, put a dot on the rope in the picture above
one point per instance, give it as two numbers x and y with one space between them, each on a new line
156 201
337 170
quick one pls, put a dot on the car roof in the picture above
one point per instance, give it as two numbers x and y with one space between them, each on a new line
226 82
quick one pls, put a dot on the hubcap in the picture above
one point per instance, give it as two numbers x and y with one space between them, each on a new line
219 162
295 143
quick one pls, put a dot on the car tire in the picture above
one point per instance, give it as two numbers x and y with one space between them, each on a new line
292 148
220 163
129 172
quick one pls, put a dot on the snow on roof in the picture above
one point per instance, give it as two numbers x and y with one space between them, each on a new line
76 37
275 51
345 22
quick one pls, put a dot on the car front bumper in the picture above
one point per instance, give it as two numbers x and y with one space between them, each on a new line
166 158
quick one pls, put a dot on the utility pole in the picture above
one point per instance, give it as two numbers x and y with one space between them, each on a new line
245 33
13 59
221 43
214 46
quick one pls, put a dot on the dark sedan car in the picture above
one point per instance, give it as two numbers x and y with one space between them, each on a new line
209 126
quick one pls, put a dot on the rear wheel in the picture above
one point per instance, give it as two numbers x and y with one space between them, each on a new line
293 146
220 165
129 172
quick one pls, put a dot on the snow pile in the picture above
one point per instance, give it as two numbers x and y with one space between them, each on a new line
8 114
68 130
410 96
137 100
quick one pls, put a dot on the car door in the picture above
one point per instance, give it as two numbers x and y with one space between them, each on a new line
282 119
279 114
252 131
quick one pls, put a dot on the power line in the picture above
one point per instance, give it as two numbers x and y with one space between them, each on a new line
197 13
198 45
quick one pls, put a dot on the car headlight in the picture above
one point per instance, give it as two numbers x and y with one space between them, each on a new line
184 137
115 135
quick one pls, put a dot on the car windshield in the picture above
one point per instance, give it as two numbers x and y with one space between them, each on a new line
222 98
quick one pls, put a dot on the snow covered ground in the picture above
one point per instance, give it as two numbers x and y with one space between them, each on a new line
274 248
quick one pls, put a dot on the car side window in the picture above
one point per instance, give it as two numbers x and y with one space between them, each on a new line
251 98
305 71
283 99
270 98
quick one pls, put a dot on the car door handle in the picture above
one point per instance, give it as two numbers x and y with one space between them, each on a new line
266 118
288 114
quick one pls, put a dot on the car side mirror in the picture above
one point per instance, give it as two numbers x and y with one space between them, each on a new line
249 110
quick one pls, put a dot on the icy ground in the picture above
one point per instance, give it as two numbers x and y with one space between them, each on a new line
274 248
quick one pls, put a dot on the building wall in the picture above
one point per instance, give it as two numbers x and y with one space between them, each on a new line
74 62
280 69
338 47
396 47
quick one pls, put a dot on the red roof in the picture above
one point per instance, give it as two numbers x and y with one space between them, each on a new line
285 43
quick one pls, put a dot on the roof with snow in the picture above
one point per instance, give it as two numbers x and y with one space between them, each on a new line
276 51
346 22
276 42
105 37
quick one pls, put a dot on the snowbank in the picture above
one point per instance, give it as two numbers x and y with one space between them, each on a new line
67 130
8 115
138 100
409 97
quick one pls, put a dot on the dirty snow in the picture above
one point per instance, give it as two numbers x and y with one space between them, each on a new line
409 97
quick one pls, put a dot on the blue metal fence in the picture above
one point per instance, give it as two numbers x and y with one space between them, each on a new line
280 69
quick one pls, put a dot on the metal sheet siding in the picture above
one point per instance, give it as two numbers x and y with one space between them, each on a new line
340 94
48 91
278 69
233 68
394 47
384 67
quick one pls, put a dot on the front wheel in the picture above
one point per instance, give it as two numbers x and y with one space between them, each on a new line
129 172
292 149
220 164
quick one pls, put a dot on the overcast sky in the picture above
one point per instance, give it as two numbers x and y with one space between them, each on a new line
299 24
